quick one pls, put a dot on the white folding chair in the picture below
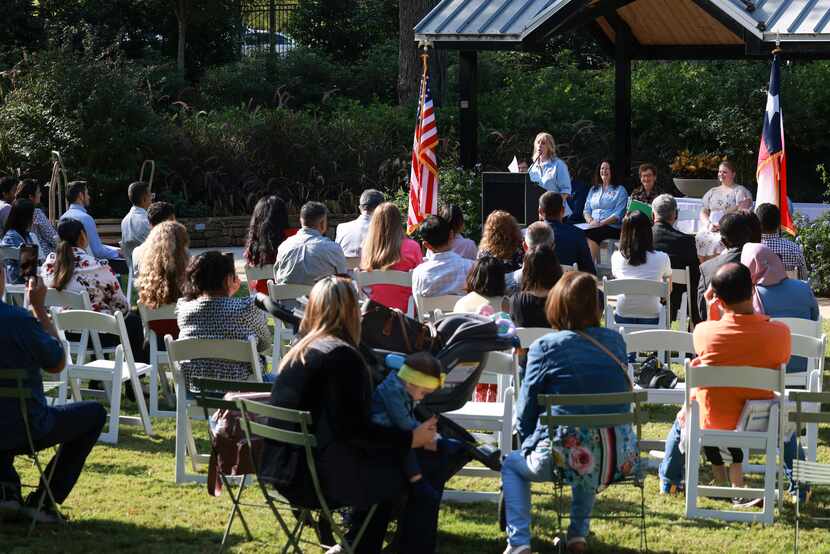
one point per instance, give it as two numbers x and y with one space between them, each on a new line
643 287
158 358
367 279
282 293
113 373
182 350
812 380
769 441
11 253
526 336
260 273
353 263
684 313
426 305
495 418
566 268
800 326
69 300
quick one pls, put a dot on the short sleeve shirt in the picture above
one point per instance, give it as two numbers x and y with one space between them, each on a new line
720 199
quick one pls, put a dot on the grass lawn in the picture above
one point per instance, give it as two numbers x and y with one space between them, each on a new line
126 501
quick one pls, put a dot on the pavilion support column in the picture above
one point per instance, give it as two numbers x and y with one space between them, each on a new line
468 107
622 102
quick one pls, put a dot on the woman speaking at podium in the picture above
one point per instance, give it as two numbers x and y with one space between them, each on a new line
549 171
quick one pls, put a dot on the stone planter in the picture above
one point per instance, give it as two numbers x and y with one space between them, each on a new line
695 188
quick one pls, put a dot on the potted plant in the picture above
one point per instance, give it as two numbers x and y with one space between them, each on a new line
694 174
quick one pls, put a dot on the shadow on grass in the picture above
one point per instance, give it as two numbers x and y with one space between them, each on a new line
102 535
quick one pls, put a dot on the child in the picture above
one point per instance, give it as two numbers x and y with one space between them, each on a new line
394 401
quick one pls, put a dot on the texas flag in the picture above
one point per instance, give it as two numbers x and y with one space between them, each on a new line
772 159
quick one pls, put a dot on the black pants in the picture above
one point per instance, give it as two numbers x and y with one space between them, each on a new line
76 428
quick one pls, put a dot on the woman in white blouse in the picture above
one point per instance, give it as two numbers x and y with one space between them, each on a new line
717 202
637 259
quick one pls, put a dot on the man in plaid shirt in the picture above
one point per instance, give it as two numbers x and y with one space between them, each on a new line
789 252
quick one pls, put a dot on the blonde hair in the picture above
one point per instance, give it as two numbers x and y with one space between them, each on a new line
162 269
502 237
547 138
382 248
332 311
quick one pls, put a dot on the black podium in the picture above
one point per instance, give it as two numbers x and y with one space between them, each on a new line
514 193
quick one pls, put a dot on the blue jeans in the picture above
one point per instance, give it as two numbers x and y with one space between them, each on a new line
636 320
517 473
672 468
76 429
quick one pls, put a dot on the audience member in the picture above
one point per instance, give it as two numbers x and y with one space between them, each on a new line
42 228
681 250
7 185
648 190
209 310
790 252
548 170
351 234
161 277
637 259
578 357
72 269
571 243
735 230
465 247
158 212
537 234
485 286
502 239
32 344
267 230
541 271
740 337
309 255
18 232
604 208
726 198
360 463
386 247
77 194
136 226
444 271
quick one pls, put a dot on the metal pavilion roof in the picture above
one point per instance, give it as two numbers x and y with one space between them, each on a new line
511 21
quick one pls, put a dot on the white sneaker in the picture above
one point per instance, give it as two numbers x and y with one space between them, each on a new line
523 549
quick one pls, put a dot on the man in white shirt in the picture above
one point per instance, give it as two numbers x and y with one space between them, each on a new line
444 271
351 234
158 212
308 256
7 188
136 226
78 196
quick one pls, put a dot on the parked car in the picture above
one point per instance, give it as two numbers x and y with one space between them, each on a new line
259 40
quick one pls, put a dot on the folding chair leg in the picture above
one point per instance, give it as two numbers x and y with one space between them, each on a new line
236 510
46 481
294 536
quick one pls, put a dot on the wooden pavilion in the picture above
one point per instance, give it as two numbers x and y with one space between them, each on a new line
627 30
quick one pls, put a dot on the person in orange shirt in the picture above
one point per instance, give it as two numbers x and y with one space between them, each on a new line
739 337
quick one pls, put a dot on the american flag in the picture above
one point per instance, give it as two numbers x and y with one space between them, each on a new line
772 158
423 177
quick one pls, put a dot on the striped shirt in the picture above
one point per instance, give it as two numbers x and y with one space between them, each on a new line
789 252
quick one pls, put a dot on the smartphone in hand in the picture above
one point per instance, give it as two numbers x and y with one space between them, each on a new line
29 265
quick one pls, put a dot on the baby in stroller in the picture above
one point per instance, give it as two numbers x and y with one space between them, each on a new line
393 405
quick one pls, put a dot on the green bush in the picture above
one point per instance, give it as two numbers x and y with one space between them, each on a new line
814 238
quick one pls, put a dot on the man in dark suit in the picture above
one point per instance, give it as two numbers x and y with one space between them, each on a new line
736 229
681 250
571 244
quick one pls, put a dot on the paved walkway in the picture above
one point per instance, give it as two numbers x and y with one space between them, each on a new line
824 307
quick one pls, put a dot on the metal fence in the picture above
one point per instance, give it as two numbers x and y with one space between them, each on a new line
264 26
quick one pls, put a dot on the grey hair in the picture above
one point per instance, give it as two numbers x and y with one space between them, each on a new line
539 233
664 206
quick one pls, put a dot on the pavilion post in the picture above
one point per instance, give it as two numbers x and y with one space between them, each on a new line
622 101
468 107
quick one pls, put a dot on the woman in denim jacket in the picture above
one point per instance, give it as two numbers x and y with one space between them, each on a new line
562 362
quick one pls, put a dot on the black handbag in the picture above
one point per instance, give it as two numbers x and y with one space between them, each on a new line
389 329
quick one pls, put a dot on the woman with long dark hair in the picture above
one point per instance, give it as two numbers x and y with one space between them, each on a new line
604 207
42 228
267 230
18 232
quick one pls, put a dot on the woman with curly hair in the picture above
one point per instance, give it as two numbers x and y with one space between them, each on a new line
161 274
267 230
502 239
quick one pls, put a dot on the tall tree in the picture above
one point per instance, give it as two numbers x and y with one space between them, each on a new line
182 9
410 12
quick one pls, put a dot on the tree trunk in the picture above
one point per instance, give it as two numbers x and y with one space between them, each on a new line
182 10
410 12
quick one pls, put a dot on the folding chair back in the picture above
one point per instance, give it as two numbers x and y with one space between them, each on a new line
641 287
259 273
158 357
812 379
18 389
660 341
182 350
281 293
566 268
10 253
426 305
113 372
800 326
770 441
252 413
807 411
70 300
353 263
684 313
384 277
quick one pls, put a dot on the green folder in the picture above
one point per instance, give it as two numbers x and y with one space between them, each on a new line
637 206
